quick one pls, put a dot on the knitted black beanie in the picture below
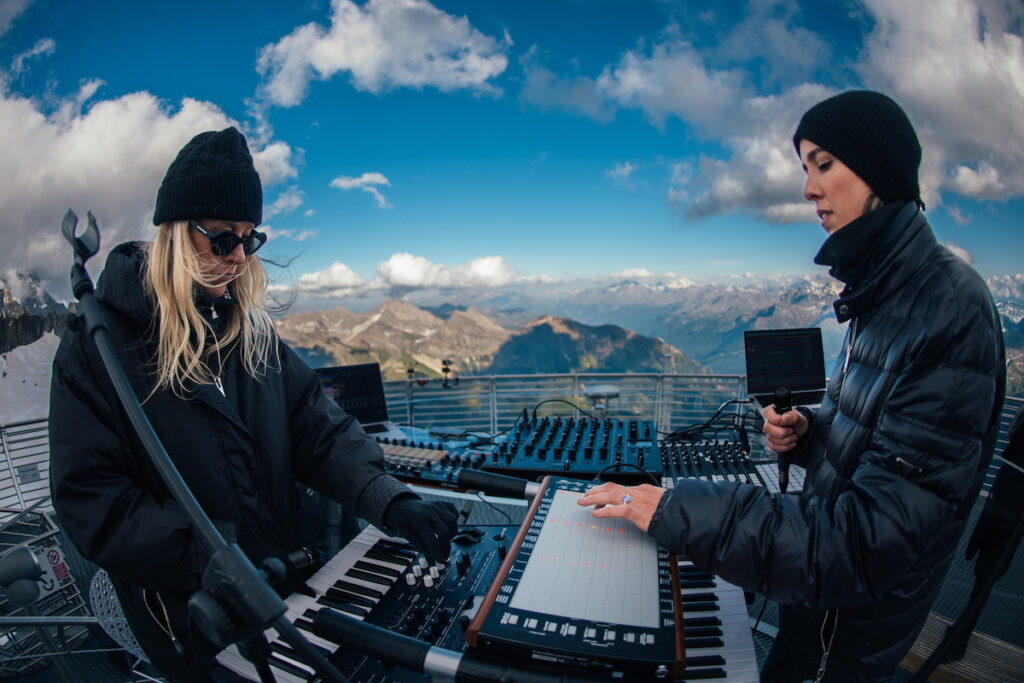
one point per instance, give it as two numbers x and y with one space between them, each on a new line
871 135
212 177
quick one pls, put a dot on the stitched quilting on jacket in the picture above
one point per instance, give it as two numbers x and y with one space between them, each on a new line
895 457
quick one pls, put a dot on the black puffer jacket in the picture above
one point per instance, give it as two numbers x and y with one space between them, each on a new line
895 457
242 455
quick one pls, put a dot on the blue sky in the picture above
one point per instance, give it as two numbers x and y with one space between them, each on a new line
475 144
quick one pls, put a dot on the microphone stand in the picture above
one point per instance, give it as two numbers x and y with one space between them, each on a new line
236 602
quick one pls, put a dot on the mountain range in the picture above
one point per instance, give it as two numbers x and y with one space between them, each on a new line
403 337
629 325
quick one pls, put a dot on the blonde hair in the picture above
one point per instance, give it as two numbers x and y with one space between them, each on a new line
172 274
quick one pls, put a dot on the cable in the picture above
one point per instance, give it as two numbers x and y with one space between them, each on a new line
654 481
560 400
480 497
761 613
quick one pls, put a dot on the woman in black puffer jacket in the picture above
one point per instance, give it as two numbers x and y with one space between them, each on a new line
896 453
242 417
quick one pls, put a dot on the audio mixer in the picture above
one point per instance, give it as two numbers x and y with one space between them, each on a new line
621 450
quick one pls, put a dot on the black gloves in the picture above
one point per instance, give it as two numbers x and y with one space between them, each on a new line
429 527
294 580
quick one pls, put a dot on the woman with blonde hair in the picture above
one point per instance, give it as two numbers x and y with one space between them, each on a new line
242 417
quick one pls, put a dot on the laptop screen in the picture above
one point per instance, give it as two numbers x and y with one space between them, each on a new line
784 358
358 389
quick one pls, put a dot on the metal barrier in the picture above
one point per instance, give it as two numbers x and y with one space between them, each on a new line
492 403
24 465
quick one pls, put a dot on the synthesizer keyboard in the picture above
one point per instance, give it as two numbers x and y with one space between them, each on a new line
369 580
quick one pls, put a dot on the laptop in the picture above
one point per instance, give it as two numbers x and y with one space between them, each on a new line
794 359
359 390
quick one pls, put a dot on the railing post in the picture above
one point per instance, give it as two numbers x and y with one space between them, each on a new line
408 404
5 447
494 403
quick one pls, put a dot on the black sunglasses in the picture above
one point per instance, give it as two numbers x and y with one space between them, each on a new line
224 242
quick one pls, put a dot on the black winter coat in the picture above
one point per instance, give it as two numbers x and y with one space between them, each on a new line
895 457
242 454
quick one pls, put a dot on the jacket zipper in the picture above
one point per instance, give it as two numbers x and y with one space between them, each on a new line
166 625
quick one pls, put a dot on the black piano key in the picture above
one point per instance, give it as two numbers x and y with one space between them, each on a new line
346 607
700 607
702 674
338 594
393 558
395 547
287 651
699 622
378 569
698 643
367 576
698 597
304 624
705 660
372 593
288 667
701 632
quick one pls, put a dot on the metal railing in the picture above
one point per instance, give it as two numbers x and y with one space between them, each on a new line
491 403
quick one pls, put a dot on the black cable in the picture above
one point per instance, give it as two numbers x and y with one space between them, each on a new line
480 497
560 400
761 613
650 476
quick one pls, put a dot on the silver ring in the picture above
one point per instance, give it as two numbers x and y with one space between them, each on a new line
626 499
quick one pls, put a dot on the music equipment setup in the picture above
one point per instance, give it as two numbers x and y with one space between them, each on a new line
561 596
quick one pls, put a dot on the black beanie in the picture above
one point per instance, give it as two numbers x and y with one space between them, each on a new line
872 136
212 177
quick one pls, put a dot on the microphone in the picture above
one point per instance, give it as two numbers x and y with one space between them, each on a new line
783 404
497 484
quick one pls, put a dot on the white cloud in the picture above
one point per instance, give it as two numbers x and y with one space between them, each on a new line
286 202
620 174
294 236
634 274
367 182
9 11
383 44
960 251
404 270
330 281
43 48
107 156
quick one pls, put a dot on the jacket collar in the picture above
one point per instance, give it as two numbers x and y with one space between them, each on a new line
900 245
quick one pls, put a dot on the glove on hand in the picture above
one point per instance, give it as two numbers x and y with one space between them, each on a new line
293 582
429 527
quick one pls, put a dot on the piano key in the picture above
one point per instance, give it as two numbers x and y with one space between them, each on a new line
738 659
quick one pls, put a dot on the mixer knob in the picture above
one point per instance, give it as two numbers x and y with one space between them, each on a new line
428 581
502 551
